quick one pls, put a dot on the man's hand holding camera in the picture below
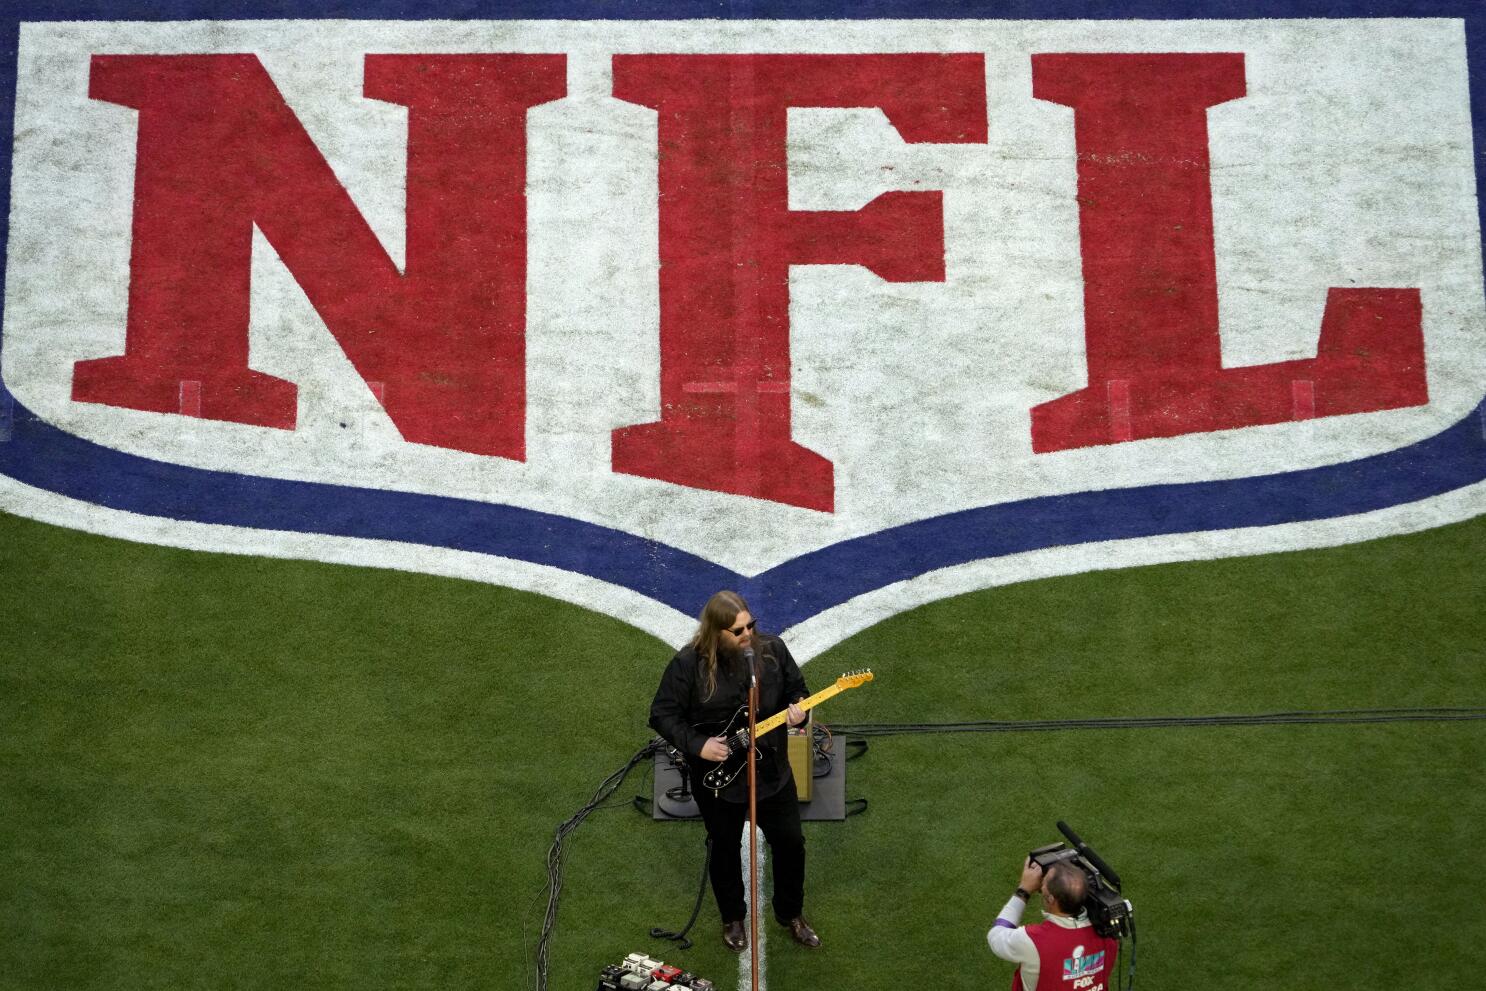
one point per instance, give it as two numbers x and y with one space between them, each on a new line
1031 881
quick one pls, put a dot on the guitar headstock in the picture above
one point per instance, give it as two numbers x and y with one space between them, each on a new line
852 679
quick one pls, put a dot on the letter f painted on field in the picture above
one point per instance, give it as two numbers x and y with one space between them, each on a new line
728 239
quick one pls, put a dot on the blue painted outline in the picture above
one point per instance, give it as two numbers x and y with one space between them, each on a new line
41 455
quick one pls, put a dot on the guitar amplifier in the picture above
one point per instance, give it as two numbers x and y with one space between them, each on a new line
802 756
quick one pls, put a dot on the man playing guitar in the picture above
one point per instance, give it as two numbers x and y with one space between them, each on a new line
701 690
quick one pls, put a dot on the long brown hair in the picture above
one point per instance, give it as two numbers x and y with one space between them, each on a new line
717 615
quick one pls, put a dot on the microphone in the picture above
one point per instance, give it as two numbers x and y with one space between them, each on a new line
1089 854
748 656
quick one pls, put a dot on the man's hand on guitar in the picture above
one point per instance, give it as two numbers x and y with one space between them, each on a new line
715 749
796 714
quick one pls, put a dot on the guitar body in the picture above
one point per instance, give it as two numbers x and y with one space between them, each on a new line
735 732
719 775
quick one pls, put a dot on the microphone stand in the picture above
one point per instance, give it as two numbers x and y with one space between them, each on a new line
753 817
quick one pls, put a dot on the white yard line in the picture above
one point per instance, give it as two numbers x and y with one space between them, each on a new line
745 971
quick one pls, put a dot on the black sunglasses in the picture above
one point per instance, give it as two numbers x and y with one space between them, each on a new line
749 626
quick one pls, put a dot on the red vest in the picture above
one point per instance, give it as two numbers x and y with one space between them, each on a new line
1071 959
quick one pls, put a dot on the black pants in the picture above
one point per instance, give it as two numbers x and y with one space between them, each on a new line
779 818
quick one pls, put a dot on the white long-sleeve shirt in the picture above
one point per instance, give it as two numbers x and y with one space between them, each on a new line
1009 940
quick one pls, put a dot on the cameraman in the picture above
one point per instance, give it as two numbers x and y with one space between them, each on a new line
1062 953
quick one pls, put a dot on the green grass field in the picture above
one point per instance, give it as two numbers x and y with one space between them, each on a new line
224 772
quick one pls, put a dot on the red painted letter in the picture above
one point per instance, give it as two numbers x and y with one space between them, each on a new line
1150 284
220 151
728 238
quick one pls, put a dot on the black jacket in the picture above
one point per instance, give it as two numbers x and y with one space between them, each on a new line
683 714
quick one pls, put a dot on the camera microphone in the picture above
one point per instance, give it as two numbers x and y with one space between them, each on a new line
1088 853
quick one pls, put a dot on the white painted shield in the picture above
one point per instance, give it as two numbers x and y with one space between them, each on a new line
1348 163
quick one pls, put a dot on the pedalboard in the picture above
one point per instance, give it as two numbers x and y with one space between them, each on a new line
637 972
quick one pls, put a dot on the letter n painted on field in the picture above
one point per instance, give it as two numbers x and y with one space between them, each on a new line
1150 282
728 239
219 151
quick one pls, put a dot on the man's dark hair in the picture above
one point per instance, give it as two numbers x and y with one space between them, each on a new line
1068 887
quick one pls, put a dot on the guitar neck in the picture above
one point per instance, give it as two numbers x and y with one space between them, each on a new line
779 718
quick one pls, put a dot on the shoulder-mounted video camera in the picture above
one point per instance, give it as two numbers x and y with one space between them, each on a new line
1108 910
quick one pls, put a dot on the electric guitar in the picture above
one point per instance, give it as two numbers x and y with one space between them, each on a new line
735 732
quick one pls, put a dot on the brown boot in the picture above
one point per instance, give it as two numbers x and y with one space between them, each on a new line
800 932
735 936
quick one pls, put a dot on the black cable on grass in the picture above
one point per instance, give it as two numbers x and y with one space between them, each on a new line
1299 718
680 937
555 852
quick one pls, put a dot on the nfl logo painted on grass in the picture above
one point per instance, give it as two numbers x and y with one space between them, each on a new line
849 315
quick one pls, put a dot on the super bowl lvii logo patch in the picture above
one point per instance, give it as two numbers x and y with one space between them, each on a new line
1082 967
849 315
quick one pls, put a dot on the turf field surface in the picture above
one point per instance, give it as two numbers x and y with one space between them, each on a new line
237 772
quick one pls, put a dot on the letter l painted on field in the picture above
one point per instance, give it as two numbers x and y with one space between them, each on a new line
1150 283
